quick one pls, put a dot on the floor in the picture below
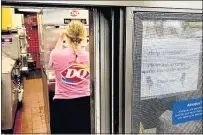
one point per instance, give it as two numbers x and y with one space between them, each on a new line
31 118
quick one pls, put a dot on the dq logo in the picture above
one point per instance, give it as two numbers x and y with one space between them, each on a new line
75 74
74 13
7 39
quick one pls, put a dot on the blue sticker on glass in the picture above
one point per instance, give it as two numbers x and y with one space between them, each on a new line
6 40
185 111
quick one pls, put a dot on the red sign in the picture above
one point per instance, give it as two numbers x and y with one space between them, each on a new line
74 13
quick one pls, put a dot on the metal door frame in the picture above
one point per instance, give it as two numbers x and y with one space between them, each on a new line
128 70
105 70
94 76
100 60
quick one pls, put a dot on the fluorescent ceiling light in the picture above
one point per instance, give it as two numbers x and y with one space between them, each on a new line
29 10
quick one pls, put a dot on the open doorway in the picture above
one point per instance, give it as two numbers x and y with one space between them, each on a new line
41 28
49 29
105 47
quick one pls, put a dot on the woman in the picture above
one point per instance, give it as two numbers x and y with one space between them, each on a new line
72 88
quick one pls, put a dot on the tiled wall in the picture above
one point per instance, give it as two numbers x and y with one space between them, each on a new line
33 41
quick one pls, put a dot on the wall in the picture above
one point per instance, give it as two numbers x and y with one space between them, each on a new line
33 41
169 4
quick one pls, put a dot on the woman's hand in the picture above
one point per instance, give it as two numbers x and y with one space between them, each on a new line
62 35
59 43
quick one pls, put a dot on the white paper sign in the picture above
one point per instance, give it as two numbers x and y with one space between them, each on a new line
169 66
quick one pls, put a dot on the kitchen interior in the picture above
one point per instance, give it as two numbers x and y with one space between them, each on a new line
28 37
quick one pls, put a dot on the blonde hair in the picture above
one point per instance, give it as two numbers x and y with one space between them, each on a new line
76 32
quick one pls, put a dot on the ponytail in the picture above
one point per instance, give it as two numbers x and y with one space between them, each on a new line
75 47
76 32
75 43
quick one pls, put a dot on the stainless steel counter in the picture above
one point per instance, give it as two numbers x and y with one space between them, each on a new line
50 75
48 87
9 94
48 79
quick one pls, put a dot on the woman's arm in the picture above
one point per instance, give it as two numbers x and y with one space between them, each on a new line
59 43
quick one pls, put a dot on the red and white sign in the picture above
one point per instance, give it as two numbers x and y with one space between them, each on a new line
74 13
6 39
75 74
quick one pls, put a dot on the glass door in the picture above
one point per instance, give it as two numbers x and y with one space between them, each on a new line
163 71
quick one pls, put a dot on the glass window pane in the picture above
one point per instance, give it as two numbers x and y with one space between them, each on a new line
171 76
